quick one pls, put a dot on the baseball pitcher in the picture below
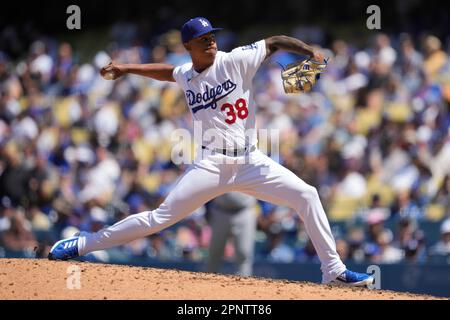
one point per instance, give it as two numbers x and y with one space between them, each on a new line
218 90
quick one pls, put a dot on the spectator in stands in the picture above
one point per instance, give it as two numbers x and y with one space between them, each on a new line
387 253
6 213
443 195
160 247
442 248
356 240
342 248
406 207
411 240
308 253
14 176
19 237
384 51
435 57
277 249
375 224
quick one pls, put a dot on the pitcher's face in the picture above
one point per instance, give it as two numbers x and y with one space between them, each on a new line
203 48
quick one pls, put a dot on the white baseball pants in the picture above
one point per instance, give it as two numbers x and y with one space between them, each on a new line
213 174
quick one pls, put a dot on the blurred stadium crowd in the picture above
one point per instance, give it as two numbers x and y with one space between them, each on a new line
78 152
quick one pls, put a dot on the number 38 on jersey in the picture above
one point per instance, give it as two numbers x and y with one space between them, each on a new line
238 110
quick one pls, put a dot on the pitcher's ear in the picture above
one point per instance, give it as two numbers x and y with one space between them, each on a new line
187 46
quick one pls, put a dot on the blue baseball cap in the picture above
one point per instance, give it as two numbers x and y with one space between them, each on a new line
195 28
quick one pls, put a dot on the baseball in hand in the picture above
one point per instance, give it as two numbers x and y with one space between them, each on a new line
109 75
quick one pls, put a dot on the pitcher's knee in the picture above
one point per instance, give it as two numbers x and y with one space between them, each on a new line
310 194
307 198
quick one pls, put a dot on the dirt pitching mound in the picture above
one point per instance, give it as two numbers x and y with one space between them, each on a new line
43 279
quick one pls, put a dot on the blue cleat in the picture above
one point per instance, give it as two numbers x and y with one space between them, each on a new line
64 249
355 279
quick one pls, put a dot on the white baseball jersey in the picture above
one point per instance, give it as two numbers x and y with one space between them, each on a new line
221 97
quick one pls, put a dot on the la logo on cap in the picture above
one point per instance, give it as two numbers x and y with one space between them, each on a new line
204 23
